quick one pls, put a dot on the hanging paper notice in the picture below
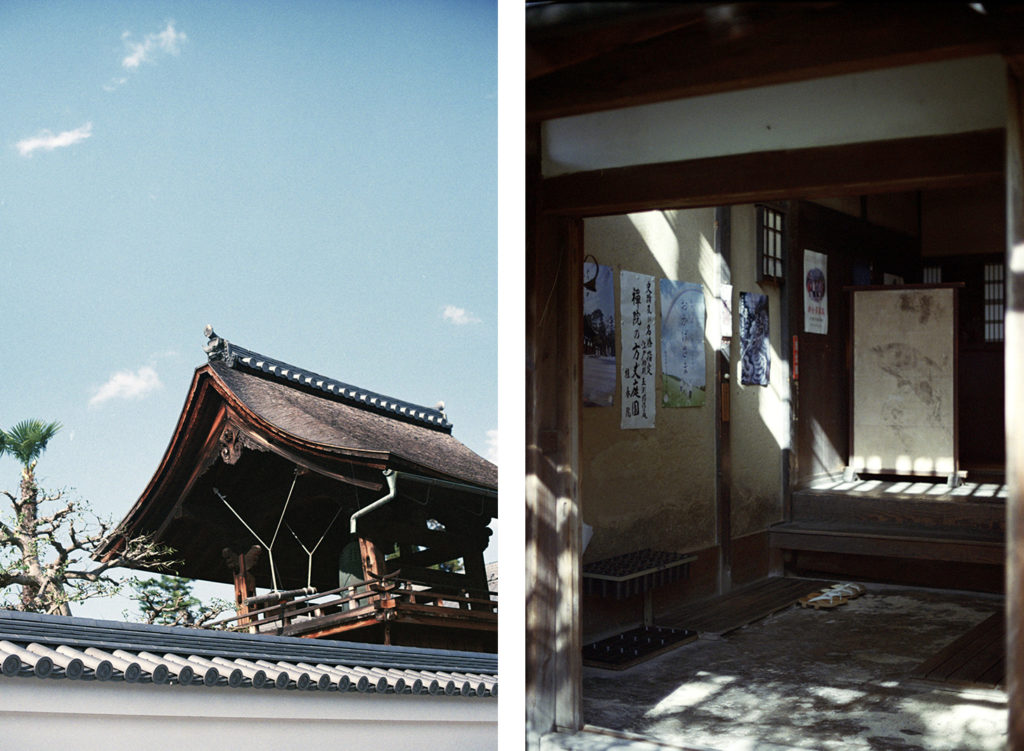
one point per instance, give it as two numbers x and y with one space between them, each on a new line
683 375
598 337
754 343
725 327
636 320
815 288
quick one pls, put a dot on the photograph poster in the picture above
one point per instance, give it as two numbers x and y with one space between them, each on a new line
683 372
815 292
636 321
598 336
754 343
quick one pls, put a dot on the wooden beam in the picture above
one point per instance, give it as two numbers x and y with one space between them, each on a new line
745 45
1014 352
854 169
936 548
301 461
426 558
452 617
560 35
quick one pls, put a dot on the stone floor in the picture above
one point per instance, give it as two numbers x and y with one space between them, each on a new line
826 679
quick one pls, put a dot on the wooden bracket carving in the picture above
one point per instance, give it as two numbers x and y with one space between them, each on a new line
232 442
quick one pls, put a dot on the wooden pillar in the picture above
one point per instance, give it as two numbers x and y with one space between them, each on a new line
373 559
553 527
1014 347
475 572
242 565
723 445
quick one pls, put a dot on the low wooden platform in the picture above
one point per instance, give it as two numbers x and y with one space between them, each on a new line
978 658
719 615
903 532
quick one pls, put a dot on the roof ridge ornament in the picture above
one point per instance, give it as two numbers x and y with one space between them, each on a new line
217 348
238 357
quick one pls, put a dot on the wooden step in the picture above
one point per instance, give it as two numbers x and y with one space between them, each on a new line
894 542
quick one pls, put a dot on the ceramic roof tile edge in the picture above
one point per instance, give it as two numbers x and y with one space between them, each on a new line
235 356
16 626
41 655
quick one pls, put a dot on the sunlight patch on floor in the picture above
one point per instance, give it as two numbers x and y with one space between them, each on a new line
703 687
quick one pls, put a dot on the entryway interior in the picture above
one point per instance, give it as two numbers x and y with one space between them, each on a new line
930 550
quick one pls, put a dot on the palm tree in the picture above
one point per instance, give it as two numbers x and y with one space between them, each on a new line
26 442
51 556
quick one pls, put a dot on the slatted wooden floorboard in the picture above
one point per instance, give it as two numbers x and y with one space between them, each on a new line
720 615
978 658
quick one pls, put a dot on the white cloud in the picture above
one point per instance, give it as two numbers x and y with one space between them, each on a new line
458 316
167 41
47 141
127 385
115 83
492 446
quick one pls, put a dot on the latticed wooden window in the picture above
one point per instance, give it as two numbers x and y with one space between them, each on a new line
995 302
771 244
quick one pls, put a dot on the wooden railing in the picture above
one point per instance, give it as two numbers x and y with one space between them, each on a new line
367 600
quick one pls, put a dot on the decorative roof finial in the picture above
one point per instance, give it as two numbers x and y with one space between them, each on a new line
217 348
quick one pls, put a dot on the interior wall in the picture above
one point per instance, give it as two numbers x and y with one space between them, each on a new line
656 488
896 211
858 253
651 488
759 414
961 221
950 96
967 220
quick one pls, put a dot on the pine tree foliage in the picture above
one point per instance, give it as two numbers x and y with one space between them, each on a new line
168 601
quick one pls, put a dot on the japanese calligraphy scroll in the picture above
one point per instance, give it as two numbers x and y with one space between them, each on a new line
637 323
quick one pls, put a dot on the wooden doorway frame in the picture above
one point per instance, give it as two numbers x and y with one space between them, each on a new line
555 209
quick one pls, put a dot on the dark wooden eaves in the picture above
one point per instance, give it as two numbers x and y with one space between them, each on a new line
717 47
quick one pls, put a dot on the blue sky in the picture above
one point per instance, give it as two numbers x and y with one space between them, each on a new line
317 180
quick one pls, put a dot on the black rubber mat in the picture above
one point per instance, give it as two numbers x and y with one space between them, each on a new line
634 646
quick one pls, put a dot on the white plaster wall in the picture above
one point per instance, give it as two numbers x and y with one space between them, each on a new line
91 716
954 96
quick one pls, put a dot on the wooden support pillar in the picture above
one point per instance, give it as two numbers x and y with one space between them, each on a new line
554 333
242 566
475 571
1014 348
723 445
373 559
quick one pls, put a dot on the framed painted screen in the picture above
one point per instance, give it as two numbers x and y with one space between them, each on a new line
903 381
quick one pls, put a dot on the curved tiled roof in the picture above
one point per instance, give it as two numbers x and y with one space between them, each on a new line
311 417
333 414
48 646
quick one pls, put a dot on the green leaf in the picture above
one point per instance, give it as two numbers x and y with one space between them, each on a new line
27 440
